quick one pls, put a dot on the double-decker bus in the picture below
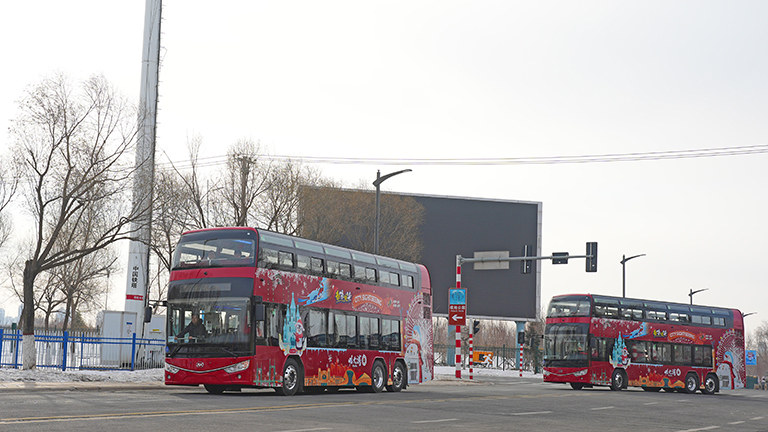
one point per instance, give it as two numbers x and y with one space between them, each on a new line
595 340
253 308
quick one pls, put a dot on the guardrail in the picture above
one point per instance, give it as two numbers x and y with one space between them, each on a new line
83 350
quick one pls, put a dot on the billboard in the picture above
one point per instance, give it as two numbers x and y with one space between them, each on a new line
446 226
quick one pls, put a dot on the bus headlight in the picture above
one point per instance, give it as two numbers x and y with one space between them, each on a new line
171 368
238 367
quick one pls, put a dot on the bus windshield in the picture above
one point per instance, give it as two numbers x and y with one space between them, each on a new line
569 306
215 248
209 325
566 345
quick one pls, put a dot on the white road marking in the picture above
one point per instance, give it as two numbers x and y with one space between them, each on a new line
650 403
700 429
737 422
532 413
306 430
435 421
757 418
601 408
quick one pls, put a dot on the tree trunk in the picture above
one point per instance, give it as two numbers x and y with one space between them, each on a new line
29 357
67 310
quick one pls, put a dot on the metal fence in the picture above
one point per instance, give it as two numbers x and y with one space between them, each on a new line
503 357
83 350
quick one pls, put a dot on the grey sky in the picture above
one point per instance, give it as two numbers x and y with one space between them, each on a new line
455 79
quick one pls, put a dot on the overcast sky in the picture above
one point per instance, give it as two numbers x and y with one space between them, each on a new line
460 79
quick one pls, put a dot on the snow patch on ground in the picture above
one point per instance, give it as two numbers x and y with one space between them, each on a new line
447 372
53 375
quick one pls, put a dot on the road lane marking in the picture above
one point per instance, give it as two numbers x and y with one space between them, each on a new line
116 416
737 422
601 408
435 421
532 413
700 429
650 403
306 430
757 418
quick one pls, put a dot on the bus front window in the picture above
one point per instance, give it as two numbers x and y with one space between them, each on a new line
219 248
569 306
565 345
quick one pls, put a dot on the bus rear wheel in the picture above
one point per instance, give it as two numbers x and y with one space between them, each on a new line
618 380
398 378
711 384
691 383
378 377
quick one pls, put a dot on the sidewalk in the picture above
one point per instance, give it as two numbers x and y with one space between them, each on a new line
77 380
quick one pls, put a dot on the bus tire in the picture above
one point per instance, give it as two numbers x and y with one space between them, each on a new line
291 378
214 389
691 383
618 379
378 377
398 378
577 386
711 384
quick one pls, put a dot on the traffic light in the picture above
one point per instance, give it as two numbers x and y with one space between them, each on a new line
521 338
591 262
525 265
475 327
559 257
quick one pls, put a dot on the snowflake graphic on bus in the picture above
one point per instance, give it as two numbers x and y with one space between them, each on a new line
292 340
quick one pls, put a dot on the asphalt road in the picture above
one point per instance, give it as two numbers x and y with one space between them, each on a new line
496 404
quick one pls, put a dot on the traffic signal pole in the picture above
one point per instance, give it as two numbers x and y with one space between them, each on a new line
556 258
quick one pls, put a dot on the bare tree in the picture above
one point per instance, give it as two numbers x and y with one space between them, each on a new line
73 150
8 183
246 179
345 217
47 297
279 207
197 191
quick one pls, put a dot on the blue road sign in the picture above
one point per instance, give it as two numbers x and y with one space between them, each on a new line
751 357
457 296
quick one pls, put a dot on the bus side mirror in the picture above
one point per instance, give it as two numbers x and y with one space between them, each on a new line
258 310
148 314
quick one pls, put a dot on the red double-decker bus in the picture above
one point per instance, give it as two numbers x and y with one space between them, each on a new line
253 308
595 340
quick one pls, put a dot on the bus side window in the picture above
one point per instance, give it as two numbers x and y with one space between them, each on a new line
351 331
317 328
302 263
345 271
316 266
267 258
285 260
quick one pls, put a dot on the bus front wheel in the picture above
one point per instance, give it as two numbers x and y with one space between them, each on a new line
618 380
291 378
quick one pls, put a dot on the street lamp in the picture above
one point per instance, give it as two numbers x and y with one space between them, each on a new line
624 260
379 180
692 292
747 314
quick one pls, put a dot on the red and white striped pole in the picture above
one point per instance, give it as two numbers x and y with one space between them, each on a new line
521 360
458 328
471 350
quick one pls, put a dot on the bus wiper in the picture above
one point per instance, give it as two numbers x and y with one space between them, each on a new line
175 350
228 351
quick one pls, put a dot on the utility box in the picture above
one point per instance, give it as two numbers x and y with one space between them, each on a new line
117 333
154 354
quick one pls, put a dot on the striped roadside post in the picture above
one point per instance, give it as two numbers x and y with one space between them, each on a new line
458 328
471 350
521 360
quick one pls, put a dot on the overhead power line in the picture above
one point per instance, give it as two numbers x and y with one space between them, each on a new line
539 160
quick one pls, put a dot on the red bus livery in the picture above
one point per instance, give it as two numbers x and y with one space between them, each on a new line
253 308
593 340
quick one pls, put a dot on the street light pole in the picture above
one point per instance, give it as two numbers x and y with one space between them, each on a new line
692 292
624 260
379 180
